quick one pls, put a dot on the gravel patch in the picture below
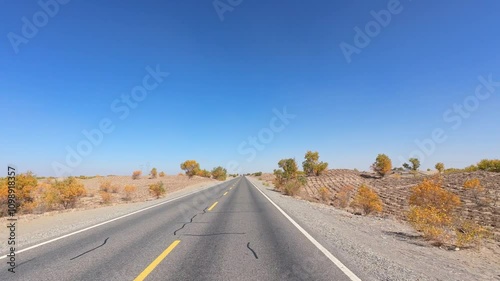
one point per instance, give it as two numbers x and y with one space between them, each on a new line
383 248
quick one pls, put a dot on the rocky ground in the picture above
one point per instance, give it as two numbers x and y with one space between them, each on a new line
394 191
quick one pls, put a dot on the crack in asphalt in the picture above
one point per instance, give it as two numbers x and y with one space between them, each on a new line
105 240
190 221
254 254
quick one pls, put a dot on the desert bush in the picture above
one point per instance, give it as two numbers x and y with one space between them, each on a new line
344 195
26 185
257 174
162 174
191 167
50 198
415 164
154 173
4 197
471 168
431 221
452 171
470 233
440 167
219 173
382 165
105 186
288 172
205 173
312 166
129 191
473 183
474 187
431 209
114 188
490 165
429 193
105 197
292 187
136 175
367 200
157 189
324 193
69 191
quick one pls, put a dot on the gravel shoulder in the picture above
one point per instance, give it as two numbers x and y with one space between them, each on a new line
383 248
33 229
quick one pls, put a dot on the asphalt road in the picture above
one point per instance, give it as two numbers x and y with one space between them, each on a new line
227 232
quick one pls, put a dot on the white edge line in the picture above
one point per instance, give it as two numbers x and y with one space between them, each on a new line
329 255
108 221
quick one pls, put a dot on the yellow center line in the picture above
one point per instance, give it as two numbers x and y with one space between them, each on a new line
213 206
224 193
157 261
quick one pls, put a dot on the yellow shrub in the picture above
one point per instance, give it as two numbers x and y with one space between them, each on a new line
69 190
105 186
469 233
431 221
367 200
4 199
105 197
431 209
162 174
115 188
324 193
136 174
382 165
157 189
129 190
51 198
474 186
473 183
429 193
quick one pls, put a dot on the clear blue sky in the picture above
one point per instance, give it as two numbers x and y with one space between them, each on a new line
227 76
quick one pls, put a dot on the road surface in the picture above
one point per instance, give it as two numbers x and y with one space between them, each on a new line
228 232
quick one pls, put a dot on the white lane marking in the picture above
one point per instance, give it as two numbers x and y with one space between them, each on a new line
106 222
329 255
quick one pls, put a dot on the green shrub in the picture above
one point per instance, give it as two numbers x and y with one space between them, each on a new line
492 165
312 166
